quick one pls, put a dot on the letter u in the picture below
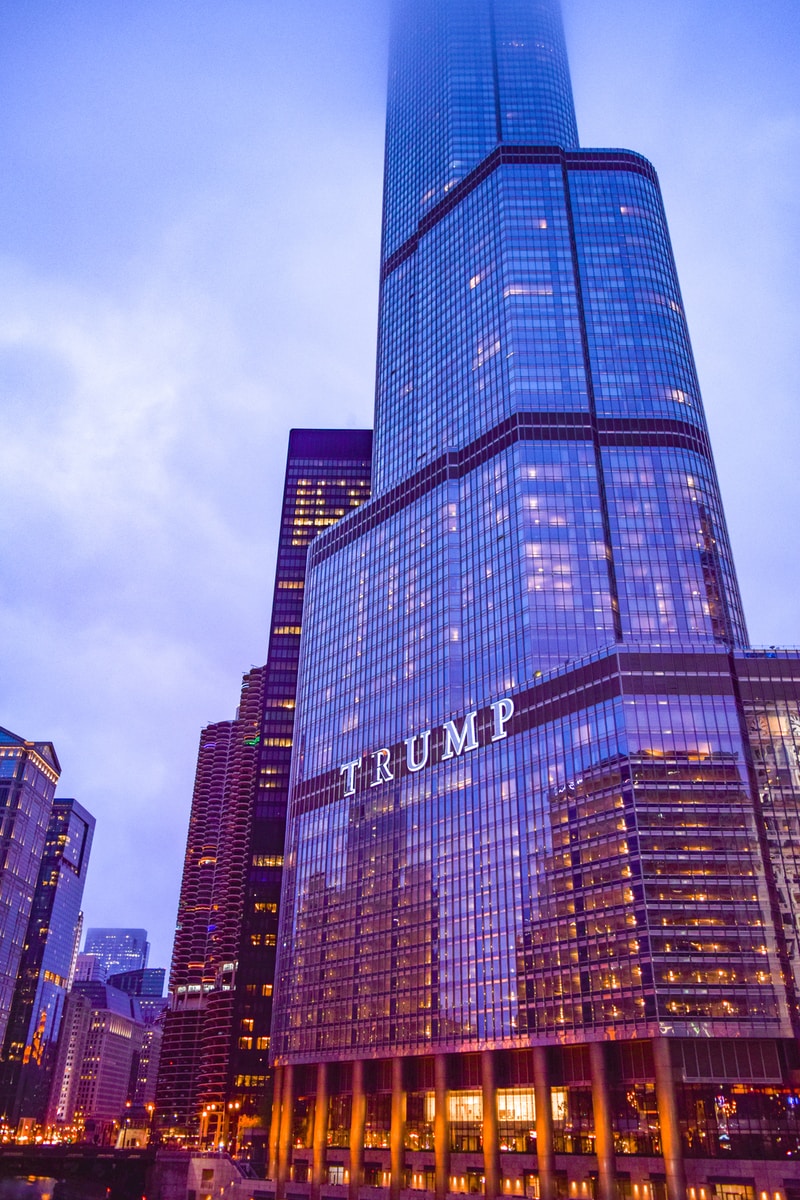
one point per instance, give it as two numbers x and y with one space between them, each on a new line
411 763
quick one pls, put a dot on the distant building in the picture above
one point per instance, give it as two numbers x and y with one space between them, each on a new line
204 955
117 949
29 772
105 1057
88 969
46 965
216 1040
144 1091
148 985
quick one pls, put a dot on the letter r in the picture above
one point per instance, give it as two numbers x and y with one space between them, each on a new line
383 773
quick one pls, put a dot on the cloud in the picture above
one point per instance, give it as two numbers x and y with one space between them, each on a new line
127 584
148 402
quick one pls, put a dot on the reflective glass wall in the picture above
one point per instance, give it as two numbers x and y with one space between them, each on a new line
522 799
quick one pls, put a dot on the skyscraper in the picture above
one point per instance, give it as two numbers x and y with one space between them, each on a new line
327 475
210 902
147 984
539 919
117 949
100 1063
216 1038
44 975
29 772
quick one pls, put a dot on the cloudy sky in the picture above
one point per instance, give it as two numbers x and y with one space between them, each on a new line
189 229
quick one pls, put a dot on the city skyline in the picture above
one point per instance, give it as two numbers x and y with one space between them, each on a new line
92 641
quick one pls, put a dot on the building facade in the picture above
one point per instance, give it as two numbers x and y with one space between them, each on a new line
202 973
216 1040
46 966
29 772
147 984
538 931
106 1061
114 950
327 475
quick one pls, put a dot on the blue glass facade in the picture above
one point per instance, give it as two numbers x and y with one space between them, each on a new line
522 821
117 949
29 772
43 979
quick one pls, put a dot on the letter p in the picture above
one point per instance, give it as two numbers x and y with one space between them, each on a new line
503 711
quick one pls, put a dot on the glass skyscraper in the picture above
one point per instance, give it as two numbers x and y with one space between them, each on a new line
117 949
46 966
327 476
29 772
539 917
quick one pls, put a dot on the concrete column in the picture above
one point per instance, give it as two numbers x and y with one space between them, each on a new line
441 1127
491 1134
603 1124
358 1119
668 1119
285 1133
275 1122
544 1123
398 1134
320 1137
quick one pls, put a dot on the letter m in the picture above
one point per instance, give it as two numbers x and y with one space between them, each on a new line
456 743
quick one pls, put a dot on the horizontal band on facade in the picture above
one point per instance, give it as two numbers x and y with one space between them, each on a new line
758 1060
521 427
573 160
609 678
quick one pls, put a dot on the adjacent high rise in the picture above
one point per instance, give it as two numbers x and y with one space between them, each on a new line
46 965
328 474
215 1060
197 1025
540 912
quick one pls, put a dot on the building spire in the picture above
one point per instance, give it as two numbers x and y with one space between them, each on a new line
534 90
467 75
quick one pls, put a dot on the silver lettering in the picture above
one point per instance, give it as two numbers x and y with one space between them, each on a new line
382 772
503 712
411 762
349 772
456 743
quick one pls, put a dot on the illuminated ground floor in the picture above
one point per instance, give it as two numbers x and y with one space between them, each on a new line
673 1119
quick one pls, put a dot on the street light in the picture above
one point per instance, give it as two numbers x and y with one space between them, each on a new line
233 1113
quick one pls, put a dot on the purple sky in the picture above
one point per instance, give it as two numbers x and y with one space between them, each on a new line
189 230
